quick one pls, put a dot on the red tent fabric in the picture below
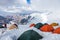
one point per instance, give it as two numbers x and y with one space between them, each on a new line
31 25
57 30
47 28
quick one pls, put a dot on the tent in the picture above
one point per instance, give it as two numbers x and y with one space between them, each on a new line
1 26
57 30
30 35
54 24
32 25
38 25
47 28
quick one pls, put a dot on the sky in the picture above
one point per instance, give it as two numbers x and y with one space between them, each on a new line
51 5
14 6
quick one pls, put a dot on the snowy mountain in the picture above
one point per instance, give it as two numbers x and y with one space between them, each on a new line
44 11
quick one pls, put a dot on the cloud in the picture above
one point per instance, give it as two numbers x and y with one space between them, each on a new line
14 6
15 9
13 2
6 2
51 5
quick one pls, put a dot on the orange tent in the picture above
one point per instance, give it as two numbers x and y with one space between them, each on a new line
57 30
47 28
31 25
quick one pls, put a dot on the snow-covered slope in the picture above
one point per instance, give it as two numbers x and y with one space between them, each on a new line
14 34
38 17
54 17
18 6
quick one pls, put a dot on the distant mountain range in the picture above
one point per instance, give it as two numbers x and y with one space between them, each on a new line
4 20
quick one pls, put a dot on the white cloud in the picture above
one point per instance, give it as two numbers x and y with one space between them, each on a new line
39 5
14 9
51 5
14 6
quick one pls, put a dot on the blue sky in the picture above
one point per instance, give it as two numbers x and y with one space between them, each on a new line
29 1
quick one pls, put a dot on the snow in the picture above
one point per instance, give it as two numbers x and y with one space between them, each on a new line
11 34
15 33
38 17
52 37
44 18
